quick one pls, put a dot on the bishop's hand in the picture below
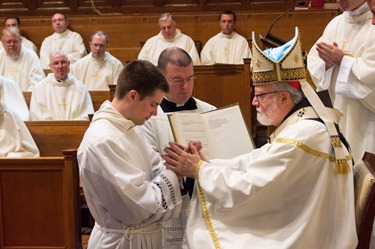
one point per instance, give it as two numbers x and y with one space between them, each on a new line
182 161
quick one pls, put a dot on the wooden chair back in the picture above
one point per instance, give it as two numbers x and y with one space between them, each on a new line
52 137
39 202
364 181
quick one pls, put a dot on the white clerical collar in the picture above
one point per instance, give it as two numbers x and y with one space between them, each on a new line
64 33
360 10
177 105
229 36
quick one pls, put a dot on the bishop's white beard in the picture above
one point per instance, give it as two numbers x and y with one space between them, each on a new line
266 118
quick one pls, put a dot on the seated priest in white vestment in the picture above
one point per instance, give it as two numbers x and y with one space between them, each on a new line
60 96
127 188
18 62
14 21
294 192
12 96
70 42
169 36
15 139
99 68
176 64
342 61
226 47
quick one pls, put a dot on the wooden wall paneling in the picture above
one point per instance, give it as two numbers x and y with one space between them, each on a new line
82 7
138 3
222 85
127 31
53 5
184 3
8 6
92 5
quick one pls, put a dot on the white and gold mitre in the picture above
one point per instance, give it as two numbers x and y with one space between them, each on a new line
284 63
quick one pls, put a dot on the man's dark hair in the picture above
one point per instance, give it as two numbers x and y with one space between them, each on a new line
13 17
100 33
175 56
141 76
227 12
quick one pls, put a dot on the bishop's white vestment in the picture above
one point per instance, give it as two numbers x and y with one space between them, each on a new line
97 74
15 139
153 47
69 42
24 69
127 188
225 49
11 95
284 195
351 84
60 100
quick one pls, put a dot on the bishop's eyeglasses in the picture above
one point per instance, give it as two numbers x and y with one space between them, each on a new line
260 96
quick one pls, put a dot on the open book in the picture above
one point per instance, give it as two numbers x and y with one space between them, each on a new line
223 132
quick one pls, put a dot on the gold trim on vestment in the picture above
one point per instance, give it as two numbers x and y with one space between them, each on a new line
205 209
310 150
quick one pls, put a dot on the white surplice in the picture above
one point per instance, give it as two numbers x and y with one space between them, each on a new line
11 95
97 74
225 49
153 47
15 139
64 100
284 195
69 42
351 84
127 188
24 69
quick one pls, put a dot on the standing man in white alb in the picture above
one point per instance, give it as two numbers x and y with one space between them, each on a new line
99 68
60 96
14 21
18 62
127 188
227 47
64 40
169 36
343 61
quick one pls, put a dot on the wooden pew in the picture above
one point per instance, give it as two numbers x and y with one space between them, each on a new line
52 137
39 202
97 97
221 85
127 31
